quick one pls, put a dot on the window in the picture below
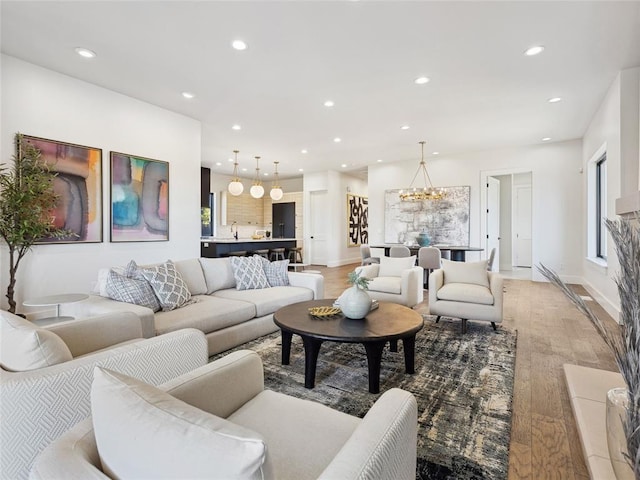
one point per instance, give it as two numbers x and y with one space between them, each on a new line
601 207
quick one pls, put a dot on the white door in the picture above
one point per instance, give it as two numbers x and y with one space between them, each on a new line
522 223
493 220
318 236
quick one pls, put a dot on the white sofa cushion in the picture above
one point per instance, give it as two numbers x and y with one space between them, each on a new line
217 273
386 284
465 272
268 300
168 285
249 273
25 347
192 274
143 432
466 293
393 266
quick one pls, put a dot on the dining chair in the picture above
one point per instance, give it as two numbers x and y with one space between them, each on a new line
399 251
429 259
365 254
491 258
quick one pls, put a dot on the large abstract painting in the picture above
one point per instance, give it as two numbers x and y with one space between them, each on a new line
446 221
358 220
139 199
78 184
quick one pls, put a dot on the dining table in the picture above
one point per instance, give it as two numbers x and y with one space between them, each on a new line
458 252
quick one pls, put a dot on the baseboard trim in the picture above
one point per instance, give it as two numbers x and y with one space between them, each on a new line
608 306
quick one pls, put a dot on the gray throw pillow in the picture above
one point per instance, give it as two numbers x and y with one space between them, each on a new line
276 272
168 285
131 288
248 273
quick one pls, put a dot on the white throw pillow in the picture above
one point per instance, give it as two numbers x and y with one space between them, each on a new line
168 285
26 347
143 432
249 273
394 266
474 273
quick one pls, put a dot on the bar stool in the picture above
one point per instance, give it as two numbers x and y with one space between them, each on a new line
276 254
263 253
238 253
295 255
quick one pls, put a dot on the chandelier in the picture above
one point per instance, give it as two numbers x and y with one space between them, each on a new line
276 192
235 186
428 192
257 190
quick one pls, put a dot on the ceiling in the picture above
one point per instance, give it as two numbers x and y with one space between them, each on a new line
483 93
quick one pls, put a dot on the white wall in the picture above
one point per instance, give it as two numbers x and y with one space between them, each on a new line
613 127
39 102
557 198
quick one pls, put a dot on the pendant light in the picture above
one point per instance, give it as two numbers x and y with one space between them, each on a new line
276 192
257 190
428 192
235 186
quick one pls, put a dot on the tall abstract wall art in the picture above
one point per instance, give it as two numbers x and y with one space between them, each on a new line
78 183
139 199
357 220
446 221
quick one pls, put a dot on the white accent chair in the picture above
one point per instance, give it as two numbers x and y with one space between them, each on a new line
268 435
396 280
50 393
466 290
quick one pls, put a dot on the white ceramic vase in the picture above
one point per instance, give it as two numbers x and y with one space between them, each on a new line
617 404
355 303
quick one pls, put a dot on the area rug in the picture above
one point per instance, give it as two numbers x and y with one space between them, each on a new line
463 384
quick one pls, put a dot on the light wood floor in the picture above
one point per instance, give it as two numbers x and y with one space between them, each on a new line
544 439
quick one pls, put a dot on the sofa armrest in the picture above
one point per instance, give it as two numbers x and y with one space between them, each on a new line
312 281
222 386
92 334
412 286
436 281
384 445
59 396
97 305
496 285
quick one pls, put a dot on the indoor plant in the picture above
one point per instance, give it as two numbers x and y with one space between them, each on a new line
624 341
27 199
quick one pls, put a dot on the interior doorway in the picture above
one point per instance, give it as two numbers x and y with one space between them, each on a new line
318 236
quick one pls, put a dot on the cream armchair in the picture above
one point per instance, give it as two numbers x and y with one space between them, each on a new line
265 434
396 280
466 290
51 393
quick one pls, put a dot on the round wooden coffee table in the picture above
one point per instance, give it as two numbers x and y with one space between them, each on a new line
390 322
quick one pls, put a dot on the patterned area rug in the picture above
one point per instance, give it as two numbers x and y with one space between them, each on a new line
463 385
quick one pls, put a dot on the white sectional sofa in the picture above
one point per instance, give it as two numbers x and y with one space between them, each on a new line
227 316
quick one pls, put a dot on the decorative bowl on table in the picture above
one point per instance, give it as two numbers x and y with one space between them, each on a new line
423 239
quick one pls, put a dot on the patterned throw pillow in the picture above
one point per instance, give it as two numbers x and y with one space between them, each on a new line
248 273
125 288
276 272
168 285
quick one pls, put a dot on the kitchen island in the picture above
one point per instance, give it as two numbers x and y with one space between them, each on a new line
212 247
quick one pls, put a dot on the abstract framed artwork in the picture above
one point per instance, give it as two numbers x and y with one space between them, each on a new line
446 221
357 220
139 199
78 184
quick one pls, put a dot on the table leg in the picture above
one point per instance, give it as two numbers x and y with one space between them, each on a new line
458 255
374 358
409 344
311 351
286 346
393 345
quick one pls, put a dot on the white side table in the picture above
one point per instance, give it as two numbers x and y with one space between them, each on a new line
56 300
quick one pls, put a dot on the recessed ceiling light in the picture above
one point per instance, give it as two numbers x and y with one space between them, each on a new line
422 80
404 127
304 150
546 139
218 164
535 50
236 127
379 160
188 95
266 174
435 153
244 169
344 165
555 99
329 103
239 45
230 160
85 52
337 139
301 169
